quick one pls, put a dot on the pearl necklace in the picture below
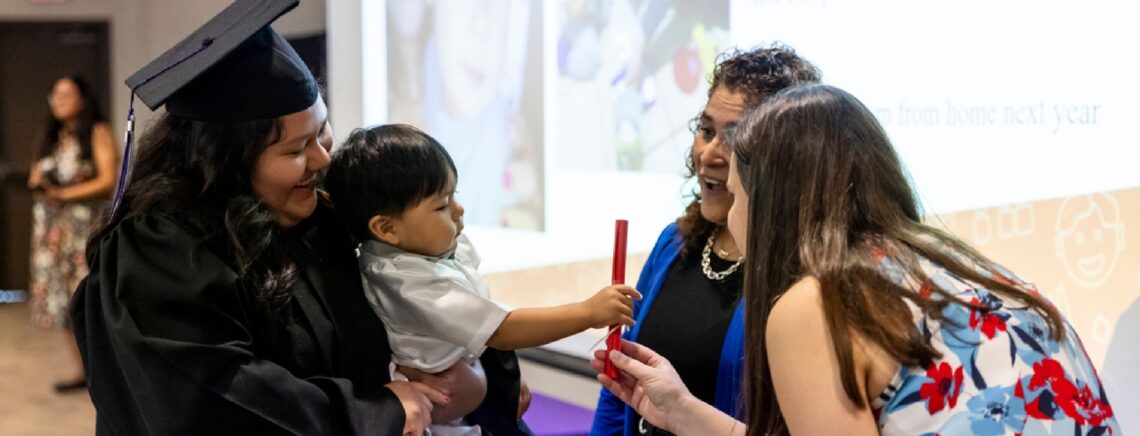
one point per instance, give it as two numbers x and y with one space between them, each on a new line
706 263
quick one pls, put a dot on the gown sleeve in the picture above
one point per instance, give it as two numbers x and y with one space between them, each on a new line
167 338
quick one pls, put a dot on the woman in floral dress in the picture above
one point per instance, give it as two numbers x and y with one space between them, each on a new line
72 178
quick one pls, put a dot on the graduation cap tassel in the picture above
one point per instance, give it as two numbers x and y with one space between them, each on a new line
129 135
125 167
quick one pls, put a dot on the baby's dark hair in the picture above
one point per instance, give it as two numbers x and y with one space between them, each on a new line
384 170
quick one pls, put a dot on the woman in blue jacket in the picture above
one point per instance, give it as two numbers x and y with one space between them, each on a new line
690 282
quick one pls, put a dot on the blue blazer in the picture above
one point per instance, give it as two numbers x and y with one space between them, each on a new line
613 417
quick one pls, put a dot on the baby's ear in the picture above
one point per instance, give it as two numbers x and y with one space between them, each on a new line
383 228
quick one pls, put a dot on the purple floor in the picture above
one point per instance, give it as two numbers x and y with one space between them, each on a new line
549 417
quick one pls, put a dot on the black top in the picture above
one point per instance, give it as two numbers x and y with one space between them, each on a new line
172 345
688 320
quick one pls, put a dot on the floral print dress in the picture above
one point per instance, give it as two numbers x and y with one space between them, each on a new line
59 234
1000 372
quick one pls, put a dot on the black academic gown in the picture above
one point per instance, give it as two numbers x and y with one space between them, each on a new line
172 346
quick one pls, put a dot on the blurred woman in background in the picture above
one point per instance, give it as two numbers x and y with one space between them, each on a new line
72 176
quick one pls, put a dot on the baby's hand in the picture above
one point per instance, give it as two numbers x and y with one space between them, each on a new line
612 305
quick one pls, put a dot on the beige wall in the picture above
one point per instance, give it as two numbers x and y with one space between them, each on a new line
143 29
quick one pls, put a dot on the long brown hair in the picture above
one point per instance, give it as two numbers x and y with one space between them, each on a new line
828 196
754 74
201 172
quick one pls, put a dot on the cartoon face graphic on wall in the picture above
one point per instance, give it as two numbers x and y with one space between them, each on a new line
1090 237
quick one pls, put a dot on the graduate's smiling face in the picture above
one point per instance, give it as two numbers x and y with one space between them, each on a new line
285 175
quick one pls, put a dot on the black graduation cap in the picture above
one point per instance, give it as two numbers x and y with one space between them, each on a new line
232 68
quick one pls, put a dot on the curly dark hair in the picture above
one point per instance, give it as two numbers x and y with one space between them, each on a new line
755 74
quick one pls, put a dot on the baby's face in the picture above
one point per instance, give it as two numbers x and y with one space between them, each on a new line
431 227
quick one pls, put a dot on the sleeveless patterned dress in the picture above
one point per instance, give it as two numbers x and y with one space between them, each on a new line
59 234
1000 372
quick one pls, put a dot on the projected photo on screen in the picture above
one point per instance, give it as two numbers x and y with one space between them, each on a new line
470 74
563 116
636 72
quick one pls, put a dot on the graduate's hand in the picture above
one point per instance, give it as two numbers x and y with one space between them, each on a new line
417 399
612 305
647 382
463 384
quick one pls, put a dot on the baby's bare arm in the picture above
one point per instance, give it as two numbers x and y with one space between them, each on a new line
531 327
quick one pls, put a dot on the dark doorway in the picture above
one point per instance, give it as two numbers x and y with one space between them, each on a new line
32 56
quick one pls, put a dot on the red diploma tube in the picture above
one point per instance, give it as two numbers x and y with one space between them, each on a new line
613 341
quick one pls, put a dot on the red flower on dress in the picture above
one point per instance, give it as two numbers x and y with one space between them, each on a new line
1045 373
1083 407
1079 404
990 323
944 386
925 290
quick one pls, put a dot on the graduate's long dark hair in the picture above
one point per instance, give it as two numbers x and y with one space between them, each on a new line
201 171
829 199
89 115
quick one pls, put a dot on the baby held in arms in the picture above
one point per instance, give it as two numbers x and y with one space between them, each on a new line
395 187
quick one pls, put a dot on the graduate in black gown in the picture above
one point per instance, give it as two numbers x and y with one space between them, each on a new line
224 295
